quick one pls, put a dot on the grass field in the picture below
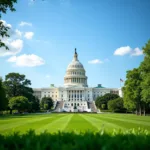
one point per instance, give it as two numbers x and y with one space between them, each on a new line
72 122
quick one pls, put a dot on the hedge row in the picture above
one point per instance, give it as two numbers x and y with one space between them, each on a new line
117 140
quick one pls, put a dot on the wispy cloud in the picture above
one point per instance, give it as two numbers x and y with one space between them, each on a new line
95 61
28 35
128 50
26 60
15 46
22 23
14 42
136 52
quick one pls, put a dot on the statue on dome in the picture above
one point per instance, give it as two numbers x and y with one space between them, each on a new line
75 51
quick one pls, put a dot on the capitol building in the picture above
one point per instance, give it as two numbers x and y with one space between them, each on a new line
75 95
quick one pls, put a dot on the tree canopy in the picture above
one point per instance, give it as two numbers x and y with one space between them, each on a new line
137 85
19 103
3 99
145 74
104 100
132 90
4 6
46 103
116 105
17 85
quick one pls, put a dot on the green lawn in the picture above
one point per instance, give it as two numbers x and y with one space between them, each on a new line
72 122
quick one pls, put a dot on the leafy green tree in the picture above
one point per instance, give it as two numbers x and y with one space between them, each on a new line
35 104
19 103
4 6
45 106
48 101
3 99
104 99
16 85
103 106
145 75
132 91
116 105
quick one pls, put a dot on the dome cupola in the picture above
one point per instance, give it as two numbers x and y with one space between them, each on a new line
75 74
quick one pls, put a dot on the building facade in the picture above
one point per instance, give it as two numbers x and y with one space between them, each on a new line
75 95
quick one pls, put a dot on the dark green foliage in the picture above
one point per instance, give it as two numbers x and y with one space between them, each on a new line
4 6
19 103
103 106
121 140
3 99
46 103
137 86
16 85
132 90
35 104
104 99
116 105
145 74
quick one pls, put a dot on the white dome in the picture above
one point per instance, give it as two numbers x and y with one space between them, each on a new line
75 65
75 74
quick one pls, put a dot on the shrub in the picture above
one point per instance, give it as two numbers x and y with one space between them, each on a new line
124 140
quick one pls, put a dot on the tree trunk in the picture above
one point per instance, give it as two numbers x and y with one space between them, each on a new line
144 110
10 111
140 112
136 112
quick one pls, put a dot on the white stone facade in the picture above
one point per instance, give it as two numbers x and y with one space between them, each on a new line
75 93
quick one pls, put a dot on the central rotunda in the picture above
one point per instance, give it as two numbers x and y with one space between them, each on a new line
75 74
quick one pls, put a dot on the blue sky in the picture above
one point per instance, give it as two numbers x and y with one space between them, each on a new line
108 34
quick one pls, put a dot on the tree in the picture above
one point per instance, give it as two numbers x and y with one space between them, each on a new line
45 106
19 103
145 75
132 91
3 99
103 106
4 6
104 99
116 105
17 85
48 101
35 104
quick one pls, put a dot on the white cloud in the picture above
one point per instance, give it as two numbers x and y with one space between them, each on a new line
14 43
128 50
28 35
137 52
26 60
22 23
123 50
11 32
95 61
6 24
15 46
18 33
